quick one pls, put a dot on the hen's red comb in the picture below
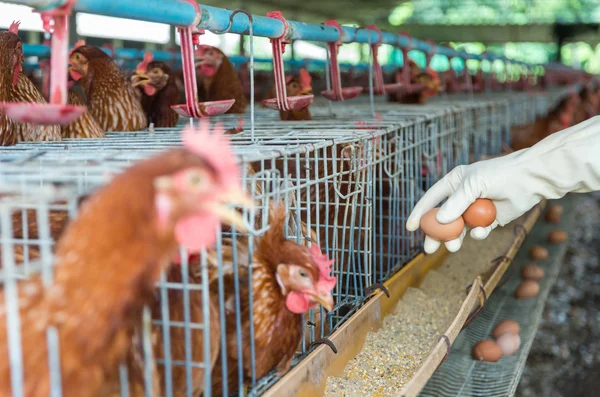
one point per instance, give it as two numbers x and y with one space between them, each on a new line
326 281
143 66
215 149
79 43
305 79
14 27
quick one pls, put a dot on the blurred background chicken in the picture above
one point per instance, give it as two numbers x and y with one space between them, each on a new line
295 85
110 98
428 77
217 79
287 280
97 310
158 91
15 86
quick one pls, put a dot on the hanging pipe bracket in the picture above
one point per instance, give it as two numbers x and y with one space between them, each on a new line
337 93
57 112
282 101
190 37
380 88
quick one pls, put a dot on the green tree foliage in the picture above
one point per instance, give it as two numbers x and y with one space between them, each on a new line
495 11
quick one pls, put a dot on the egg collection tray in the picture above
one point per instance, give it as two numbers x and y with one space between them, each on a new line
460 374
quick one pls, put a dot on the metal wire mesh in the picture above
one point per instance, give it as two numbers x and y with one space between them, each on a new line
460 374
348 182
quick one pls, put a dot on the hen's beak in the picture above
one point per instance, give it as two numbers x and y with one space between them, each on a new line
222 208
139 79
325 300
198 62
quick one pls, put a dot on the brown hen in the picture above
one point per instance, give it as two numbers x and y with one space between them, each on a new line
15 86
296 85
155 205
217 79
110 98
158 91
85 126
287 280
428 77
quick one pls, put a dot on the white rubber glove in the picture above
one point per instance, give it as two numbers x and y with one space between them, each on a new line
564 162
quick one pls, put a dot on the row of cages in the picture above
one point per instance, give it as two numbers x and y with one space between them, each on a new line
348 179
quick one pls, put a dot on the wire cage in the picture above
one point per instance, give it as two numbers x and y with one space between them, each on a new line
347 181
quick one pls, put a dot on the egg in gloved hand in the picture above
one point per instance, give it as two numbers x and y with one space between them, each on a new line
481 213
439 231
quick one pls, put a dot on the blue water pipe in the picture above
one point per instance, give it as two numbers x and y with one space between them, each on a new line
172 12
135 55
182 13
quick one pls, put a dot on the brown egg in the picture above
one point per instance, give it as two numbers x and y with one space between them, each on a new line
509 343
557 236
439 231
553 213
527 289
506 326
487 350
481 213
538 253
532 272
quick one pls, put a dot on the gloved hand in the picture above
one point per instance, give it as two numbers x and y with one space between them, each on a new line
567 161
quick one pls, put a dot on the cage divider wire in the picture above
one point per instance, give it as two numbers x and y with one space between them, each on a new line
333 167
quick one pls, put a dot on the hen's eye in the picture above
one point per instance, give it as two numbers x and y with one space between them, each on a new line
195 179
303 273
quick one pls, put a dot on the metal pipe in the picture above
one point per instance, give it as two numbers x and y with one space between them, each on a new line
133 54
172 12
183 13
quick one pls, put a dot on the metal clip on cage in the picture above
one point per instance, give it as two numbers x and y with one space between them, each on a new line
282 101
192 108
380 88
337 93
57 112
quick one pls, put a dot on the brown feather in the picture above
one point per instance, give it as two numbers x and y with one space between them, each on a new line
111 100
26 91
85 126
225 84
105 274
277 331
158 107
